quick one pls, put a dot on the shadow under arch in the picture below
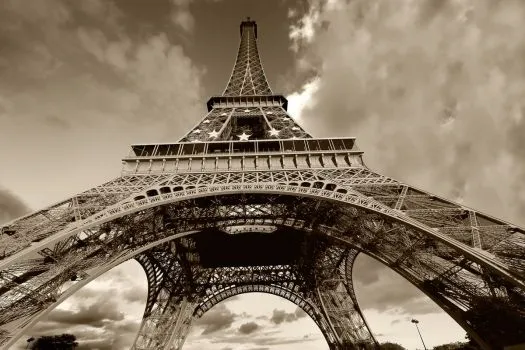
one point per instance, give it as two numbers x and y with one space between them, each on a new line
360 224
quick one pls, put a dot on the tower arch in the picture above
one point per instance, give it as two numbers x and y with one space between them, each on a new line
282 291
353 226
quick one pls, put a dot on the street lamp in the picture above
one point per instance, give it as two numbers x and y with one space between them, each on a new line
414 321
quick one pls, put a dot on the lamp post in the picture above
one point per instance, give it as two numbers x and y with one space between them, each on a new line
414 321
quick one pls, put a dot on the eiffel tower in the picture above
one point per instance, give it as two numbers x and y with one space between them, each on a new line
248 201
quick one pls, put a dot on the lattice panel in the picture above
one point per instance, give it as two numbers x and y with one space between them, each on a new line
282 125
211 127
248 75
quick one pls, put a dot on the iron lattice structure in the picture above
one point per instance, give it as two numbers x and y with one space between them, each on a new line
248 201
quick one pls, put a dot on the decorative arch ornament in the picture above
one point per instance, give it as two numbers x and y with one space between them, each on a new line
282 184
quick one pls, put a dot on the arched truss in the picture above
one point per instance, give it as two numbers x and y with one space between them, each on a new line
435 259
282 291
326 301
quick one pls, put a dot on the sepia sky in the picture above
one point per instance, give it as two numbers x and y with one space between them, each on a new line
434 91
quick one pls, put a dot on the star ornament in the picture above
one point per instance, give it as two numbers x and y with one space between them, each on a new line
213 134
274 132
243 137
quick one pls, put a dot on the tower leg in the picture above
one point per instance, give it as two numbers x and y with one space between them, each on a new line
166 326
339 304
168 315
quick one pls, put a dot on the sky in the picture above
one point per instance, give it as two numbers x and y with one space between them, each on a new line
434 91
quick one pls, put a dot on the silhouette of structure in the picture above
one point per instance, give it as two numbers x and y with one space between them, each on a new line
248 201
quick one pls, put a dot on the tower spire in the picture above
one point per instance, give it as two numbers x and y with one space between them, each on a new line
247 110
248 77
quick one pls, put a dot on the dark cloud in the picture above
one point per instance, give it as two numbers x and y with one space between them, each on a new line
248 328
57 122
124 326
98 344
11 206
95 315
367 270
280 316
396 321
389 292
113 335
216 319
133 295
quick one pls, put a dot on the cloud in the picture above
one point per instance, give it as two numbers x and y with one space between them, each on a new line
182 16
280 316
11 206
94 315
367 270
80 73
248 328
303 30
98 344
278 340
110 335
380 288
300 100
262 339
133 295
432 90
156 74
216 319
93 65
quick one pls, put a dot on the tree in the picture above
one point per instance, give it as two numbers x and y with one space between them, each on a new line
501 322
391 346
55 342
